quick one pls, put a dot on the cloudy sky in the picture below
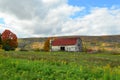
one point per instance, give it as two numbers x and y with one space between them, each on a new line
39 18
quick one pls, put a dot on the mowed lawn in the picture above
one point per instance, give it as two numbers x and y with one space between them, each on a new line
30 65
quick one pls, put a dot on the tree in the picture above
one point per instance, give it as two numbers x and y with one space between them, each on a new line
0 42
47 45
9 40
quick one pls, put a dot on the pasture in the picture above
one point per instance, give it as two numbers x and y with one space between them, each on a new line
30 65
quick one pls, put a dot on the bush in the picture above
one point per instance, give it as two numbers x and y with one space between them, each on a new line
23 50
37 49
6 47
47 45
115 53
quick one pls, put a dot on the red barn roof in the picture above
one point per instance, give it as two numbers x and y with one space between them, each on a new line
64 41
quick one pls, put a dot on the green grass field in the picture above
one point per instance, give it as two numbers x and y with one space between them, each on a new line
16 65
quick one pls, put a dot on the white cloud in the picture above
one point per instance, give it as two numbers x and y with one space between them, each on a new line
29 18
100 21
36 17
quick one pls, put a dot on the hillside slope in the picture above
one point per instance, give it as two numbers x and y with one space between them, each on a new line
111 41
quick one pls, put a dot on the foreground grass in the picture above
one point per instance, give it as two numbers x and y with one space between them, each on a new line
58 66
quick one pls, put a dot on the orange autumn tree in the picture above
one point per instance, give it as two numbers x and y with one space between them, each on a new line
47 45
9 40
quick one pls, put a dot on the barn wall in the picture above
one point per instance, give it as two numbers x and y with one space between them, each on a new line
55 48
79 45
67 48
70 48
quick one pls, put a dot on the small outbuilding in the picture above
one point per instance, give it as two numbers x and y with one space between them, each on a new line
66 44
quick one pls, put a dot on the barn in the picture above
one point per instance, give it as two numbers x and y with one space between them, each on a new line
66 44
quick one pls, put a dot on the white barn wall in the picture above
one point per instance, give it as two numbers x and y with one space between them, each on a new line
67 48
55 48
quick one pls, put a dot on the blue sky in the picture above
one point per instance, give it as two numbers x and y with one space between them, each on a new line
35 18
2 21
94 3
88 4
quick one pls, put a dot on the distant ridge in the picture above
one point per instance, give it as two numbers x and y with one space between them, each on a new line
38 42
104 38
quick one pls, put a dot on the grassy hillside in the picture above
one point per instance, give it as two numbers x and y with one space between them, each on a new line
109 43
112 38
93 42
31 43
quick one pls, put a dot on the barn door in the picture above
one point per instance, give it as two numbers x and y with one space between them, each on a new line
62 48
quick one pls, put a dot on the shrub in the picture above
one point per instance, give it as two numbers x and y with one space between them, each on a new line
37 49
47 45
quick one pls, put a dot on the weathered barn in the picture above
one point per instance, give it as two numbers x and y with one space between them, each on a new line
66 44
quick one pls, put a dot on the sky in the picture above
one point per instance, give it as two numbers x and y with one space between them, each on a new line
44 18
